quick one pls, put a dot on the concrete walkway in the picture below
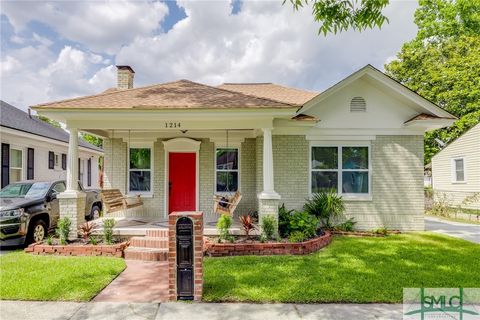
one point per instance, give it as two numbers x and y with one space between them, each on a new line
14 310
141 281
466 231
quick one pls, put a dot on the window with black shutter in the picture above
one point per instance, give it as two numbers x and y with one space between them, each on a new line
51 160
30 163
64 161
89 172
5 164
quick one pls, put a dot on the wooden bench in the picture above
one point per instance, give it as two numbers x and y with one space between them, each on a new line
227 206
113 200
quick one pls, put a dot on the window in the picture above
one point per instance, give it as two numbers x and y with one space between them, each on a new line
226 169
51 160
80 170
344 169
140 166
16 162
56 160
64 161
59 187
458 170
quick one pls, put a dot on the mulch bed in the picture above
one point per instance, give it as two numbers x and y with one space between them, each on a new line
269 248
78 249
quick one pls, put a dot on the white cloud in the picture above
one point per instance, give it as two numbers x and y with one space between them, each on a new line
102 26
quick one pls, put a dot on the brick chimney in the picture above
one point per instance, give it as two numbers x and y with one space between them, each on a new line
125 77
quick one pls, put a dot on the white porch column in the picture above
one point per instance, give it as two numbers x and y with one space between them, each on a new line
72 201
268 199
72 160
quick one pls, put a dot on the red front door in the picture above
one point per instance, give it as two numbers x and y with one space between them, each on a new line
182 176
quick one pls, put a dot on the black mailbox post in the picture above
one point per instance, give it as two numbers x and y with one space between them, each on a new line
184 259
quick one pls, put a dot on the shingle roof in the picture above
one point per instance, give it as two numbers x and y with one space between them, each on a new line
13 118
272 91
182 94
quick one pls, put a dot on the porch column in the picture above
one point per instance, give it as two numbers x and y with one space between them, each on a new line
268 199
72 201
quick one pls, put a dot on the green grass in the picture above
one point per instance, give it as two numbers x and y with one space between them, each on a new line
360 270
29 277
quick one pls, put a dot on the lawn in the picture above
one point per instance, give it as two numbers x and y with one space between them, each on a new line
360 270
29 277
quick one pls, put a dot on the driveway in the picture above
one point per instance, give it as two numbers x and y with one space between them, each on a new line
466 231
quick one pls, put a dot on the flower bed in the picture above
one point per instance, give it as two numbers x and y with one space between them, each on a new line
364 233
271 248
114 250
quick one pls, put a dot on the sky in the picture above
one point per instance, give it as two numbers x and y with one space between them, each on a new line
52 50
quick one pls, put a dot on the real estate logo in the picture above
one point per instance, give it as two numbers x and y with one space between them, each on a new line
441 303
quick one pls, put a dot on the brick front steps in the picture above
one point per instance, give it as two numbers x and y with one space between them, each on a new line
152 247
276 248
114 250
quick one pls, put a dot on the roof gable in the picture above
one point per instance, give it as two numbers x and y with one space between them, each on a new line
182 94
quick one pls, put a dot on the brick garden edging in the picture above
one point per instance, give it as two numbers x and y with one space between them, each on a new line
263 249
114 250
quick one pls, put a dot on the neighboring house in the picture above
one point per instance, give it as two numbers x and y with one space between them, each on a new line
179 143
456 170
34 150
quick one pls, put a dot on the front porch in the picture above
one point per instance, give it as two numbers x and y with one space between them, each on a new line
138 226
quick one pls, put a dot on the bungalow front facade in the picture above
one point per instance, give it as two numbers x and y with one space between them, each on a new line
178 144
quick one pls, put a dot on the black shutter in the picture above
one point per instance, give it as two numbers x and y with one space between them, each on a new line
5 164
51 160
78 177
30 163
64 161
89 172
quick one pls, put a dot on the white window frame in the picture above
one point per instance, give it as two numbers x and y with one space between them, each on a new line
140 146
224 146
340 145
22 168
454 170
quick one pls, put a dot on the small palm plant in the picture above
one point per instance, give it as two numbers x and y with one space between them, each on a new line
326 205
247 224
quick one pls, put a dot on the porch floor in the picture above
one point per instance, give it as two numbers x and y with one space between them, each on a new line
138 226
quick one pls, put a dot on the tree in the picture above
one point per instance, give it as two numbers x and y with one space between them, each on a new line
442 64
51 122
96 141
340 15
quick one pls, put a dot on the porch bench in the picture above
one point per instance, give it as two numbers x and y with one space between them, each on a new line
223 205
113 200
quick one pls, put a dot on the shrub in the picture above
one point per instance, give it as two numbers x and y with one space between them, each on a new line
284 221
63 229
223 224
383 231
346 226
303 222
269 227
93 240
325 205
49 240
86 230
297 236
108 225
247 224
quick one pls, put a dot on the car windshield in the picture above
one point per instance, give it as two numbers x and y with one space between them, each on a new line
25 190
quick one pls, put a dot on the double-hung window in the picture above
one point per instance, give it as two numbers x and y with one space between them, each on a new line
140 170
16 165
458 170
226 169
344 169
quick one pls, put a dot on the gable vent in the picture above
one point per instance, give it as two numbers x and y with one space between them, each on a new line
358 104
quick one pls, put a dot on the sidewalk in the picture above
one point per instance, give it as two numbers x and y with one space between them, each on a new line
13 310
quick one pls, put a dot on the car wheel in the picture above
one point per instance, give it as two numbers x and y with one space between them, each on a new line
94 213
37 231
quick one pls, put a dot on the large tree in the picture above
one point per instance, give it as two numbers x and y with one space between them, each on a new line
340 15
442 64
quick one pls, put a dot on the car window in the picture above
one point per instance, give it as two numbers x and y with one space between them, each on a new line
38 190
59 187
17 190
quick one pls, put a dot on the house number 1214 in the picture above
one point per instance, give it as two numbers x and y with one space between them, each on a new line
173 125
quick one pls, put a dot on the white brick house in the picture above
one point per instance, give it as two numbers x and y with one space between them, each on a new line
180 143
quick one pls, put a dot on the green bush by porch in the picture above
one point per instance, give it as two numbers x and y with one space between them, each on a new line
30 277
359 270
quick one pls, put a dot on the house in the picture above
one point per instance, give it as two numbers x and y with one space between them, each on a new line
178 144
456 170
35 150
